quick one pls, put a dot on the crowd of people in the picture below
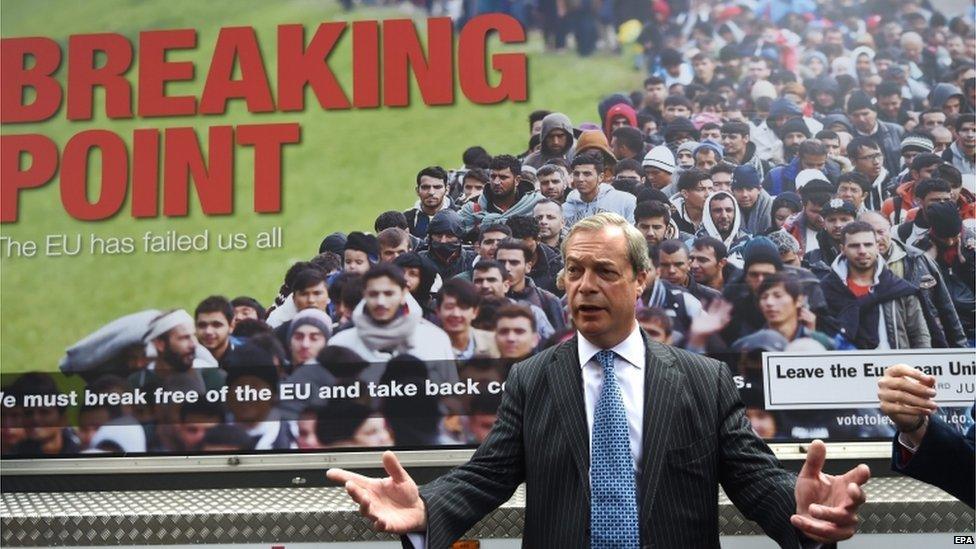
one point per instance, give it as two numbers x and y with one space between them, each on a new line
804 182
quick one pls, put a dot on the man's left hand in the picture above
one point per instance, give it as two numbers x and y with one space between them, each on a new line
826 505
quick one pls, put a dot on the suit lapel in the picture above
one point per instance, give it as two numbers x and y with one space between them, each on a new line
566 379
661 390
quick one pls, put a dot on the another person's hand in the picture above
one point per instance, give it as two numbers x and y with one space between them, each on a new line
393 503
808 318
906 397
826 505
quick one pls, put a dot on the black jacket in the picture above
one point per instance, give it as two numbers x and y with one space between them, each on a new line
942 318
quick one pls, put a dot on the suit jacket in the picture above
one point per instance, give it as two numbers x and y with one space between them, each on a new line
945 458
695 436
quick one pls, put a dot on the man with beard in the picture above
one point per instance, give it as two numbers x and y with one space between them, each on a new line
755 204
557 141
676 302
214 318
739 149
864 116
516 256
837 214
655 92
659 167
874 308
674 265
553 182
444 247
653 219
723 222
431 198
911 264
709 264
503 198
491 279
171 335
549 215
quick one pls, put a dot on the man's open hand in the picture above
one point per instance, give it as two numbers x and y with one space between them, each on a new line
393 503
826 505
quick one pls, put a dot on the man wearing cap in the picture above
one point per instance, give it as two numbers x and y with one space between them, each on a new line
837 214
815 191
659 167
739 149
557 141
706 155
923 166
361 252
684 154
308 334
864 116
171 337
444 247
869 160
919 270
431 198
912 145
755 204
793 133
874 308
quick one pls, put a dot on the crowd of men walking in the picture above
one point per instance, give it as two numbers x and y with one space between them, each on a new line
803 183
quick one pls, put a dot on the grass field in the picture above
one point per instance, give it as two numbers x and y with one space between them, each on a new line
350 166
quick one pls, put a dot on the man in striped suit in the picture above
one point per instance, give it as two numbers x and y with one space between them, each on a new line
621 441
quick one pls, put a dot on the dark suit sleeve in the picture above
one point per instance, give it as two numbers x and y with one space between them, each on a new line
457 500
944 459
750 474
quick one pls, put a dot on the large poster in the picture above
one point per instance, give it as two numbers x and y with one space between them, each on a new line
295 226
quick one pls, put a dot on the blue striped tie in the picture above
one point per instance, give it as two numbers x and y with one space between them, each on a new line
613 504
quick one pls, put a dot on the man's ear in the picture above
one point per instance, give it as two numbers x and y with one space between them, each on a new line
159 344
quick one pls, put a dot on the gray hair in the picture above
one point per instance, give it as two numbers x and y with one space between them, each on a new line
636 243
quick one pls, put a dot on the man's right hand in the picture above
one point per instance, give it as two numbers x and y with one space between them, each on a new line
393 503
906 397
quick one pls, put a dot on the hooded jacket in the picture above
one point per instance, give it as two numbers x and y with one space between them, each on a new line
942 92
620 109
916 268
736 236
759 217
889 317
750 158
552 122
954 155
880 190
591 140
607 199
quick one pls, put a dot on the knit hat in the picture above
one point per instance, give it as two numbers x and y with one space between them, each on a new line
794 125
762 88
745 177
784 241
709 144
860 100
784 107
444 222
944 219
365 243
335 243
311 317
688 146
917 142
661 158
760 250
788 199
838 118
838 206
679 125
806 177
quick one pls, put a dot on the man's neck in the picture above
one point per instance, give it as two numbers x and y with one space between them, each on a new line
552 240
219 352
717 283
430 211
591 196
695 214
504 203
518 287
738 157
861 277
461 339
787 328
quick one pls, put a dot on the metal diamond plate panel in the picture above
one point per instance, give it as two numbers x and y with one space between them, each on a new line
325 514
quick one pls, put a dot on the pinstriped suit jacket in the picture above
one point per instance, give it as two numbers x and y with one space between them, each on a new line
695 436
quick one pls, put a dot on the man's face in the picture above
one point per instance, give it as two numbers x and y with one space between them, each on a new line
704 68
861 250
178 347
951 105
813 162
721 181
306 343
656 331
649 127
556 141
473 187
514 262
756 273
824 99
313 297
833 146
889 105
444 238
734 143
712 134
550 218
777 305
431 192
927 172
706 159
793 139
503 183
553 186
932 120
674 267
490 282
674 111
653 229
656 177
618 121
869 162
355 261
758 70
781 215
851 192
212 330
586 179
722 211
695 196
89 421
192 431
249 411
384 298
835 223
656 94
934 197
864 120
43 424
243 312
704 268
811 212
685 159
455 317
389 254
882 232
967 135
941 139
515 337
489 244
746 197
413 277
536 128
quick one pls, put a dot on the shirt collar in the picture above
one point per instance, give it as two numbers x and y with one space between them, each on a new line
631 349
